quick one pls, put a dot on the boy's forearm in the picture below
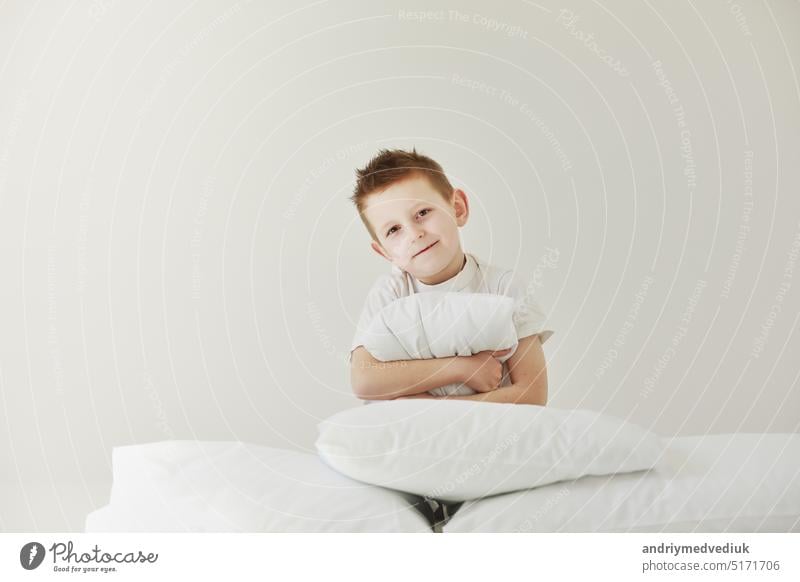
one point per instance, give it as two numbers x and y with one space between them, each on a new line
389 380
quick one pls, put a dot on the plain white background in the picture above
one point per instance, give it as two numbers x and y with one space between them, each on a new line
180 259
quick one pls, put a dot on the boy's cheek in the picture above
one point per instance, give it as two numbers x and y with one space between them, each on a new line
395 256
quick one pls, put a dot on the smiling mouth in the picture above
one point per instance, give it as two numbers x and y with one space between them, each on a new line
425 249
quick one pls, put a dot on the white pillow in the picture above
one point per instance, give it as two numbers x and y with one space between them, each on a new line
441 325
714 483
453 450
195 486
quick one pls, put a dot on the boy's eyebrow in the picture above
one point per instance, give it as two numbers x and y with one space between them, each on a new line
413 208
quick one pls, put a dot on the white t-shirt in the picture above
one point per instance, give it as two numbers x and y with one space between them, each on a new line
476 276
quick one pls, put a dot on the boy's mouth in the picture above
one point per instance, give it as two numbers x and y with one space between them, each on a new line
425 249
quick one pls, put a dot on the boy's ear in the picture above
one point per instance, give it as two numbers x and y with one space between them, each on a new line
460 206
379 249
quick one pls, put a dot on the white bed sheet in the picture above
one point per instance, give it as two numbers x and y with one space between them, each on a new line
712 483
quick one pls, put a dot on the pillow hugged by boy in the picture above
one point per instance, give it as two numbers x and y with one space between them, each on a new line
413 215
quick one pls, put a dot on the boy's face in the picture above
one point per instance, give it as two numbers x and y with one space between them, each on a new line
410 216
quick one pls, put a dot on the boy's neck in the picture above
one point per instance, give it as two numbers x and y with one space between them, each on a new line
453 269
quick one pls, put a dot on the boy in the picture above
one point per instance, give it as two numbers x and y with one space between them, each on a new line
413 215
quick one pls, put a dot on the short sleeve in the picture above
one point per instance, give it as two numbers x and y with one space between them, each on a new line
383 292
529 317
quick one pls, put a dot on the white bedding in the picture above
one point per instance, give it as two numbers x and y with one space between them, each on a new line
713 483
196 486
441 325
457 450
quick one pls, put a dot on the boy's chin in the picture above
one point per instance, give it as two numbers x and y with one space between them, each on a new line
424 273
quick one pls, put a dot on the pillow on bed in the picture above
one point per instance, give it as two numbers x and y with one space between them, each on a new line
453 450
442 325
714 483
194 486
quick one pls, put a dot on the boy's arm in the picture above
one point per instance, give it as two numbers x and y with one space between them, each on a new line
372 379
528 372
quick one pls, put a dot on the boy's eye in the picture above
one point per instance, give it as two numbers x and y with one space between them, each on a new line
422 212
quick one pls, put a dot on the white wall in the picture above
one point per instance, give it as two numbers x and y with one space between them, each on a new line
180 259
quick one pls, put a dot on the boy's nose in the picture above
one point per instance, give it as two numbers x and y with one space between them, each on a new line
416 232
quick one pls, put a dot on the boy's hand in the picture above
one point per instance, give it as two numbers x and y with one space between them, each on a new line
483 371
